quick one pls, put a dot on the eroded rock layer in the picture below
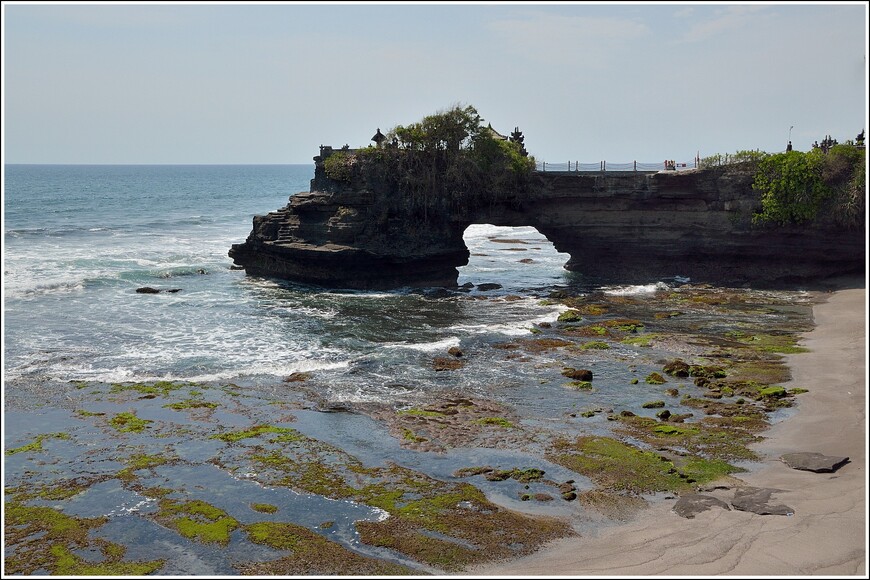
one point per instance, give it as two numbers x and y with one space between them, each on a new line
627 227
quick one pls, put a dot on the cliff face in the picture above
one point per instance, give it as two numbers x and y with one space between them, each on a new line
625 227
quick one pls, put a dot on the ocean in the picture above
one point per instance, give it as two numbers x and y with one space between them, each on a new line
80 240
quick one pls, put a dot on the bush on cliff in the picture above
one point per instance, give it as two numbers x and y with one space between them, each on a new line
798 187
447 158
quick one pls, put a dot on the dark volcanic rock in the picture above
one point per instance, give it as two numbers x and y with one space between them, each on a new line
757 500
817 462
150 290
688 506
637 226
488 286
577 374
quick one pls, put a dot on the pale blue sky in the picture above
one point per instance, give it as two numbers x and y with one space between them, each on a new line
174 83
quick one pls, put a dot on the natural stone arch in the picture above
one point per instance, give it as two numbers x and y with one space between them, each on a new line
511 251
627 227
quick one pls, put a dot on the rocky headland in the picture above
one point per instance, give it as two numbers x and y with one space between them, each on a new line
364 231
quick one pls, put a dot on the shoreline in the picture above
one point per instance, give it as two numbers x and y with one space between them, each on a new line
827 534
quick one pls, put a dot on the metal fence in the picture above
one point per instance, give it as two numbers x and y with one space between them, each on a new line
604 166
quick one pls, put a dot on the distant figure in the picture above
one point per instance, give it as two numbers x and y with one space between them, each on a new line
788 147
859 140
379 137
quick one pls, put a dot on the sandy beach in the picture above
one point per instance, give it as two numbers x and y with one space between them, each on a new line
827 533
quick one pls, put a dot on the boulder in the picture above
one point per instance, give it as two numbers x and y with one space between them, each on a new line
577 374
757 501
807 461
677 368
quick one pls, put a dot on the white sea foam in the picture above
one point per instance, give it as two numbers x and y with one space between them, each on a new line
32 288
436 346
637 289
123 510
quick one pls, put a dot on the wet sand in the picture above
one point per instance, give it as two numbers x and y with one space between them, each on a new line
826 535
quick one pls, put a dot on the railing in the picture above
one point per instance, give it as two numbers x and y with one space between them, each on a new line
604 166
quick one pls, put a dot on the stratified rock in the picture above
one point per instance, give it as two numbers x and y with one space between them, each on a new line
688 506
370 232
757 501
807 461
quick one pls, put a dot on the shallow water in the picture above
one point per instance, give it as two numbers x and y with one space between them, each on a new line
80 240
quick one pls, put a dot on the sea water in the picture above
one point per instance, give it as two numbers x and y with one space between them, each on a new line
79 241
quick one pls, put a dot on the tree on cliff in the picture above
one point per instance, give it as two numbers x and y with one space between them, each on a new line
447 158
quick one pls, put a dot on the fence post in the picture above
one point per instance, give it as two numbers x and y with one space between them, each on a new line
635 164
604 165
545 165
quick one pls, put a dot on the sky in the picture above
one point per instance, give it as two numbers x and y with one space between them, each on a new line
167 83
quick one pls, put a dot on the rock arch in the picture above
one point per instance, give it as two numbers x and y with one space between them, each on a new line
621 226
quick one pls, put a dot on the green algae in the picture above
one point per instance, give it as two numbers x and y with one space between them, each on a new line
417 412
191 404
311 554
580 385
197 520
68 564
129 423
409 435
84 413
618 466
157 388
35 446
772 343
595 345
653 405
285 434
41 538
645 340
773 392
499 421
615 465
141 461
655 379
712 438
265 508
570 316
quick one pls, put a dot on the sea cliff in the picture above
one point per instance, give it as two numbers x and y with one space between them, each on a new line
364 232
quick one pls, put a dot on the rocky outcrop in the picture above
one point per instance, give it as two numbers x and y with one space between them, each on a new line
627 227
